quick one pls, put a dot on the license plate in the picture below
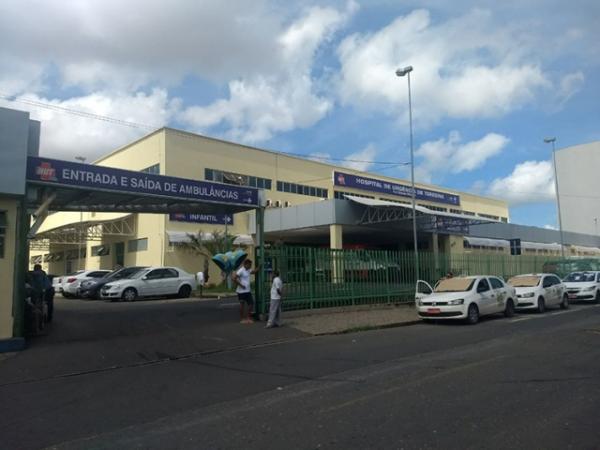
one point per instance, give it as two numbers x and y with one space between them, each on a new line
572 295
433 310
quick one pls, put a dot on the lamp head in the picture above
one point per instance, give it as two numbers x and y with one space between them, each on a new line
404 71
549 140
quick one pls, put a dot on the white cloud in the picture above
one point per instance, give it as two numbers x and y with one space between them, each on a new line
261 105
361 160
467 67
529 182
65 135
550 227
453 156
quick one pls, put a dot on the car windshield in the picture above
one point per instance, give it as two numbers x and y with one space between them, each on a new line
139 274
525 281
580 277
455 285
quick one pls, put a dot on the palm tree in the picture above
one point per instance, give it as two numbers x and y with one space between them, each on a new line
208 245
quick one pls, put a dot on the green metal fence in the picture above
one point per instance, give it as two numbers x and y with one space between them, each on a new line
322 277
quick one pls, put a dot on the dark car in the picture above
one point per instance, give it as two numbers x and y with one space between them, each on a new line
91 288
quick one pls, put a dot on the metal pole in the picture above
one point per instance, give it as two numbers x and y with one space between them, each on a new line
562 241
412 181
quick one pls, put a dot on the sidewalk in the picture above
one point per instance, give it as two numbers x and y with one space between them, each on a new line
348 319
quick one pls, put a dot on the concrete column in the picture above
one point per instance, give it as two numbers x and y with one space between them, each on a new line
335 237
337 262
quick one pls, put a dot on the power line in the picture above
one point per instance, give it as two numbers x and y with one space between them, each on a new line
113 120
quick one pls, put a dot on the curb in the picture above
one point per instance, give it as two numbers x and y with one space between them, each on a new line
359 329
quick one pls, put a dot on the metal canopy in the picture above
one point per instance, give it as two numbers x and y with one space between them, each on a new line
87 187
384 211
90 230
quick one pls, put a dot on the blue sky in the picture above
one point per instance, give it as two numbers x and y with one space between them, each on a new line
490 81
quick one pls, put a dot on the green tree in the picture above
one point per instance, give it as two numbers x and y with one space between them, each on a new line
208 245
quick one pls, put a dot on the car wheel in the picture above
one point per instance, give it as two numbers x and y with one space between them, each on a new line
129 294
473 314
565 302
541 306
509 309
184 291
66 295
597 298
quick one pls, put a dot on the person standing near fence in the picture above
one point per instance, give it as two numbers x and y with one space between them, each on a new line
244 290
275 304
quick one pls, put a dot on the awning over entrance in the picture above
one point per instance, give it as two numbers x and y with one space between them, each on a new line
68 186
89 230
381 211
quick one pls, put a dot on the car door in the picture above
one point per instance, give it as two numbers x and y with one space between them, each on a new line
549 290
150 284
422 290
486 297
170 282
559 287
501 293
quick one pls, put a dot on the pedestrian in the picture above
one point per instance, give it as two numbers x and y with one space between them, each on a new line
200 281
40 284
244 291
275 304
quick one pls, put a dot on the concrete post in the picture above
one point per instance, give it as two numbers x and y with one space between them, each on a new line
337 262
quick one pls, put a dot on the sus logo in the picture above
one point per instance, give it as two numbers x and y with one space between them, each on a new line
46 172
341 179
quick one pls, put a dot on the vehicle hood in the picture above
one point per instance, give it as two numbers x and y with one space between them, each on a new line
95 283
445 296
120 282
584 285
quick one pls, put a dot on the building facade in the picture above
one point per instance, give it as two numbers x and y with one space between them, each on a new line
577 170
71 241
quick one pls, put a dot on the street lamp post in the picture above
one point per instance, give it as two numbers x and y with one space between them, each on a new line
552 140
79 258
402 72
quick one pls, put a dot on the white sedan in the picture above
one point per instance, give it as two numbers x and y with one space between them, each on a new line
151 282
71 283
539 290
583 286
465 298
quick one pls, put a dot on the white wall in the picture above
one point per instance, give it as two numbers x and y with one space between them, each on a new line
578 170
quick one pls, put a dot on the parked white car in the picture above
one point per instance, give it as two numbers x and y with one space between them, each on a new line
151 282
57 284
583 286
465 298
70 283
539 290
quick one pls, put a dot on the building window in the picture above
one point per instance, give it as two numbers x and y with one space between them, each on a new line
301 189
488 216
3 225
237 179
100 250
152 170
504 219
137 245
433 208
340 195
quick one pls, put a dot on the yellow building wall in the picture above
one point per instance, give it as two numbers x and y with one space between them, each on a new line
7 267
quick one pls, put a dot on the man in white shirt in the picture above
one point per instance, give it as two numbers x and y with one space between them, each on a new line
244 291
200 281
275 304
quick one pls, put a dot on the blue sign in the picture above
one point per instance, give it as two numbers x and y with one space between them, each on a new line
386 187
56 172
216 219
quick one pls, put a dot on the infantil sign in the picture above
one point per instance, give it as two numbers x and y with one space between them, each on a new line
385 187
215 219
57 172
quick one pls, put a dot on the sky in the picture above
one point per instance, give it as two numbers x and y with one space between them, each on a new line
490 81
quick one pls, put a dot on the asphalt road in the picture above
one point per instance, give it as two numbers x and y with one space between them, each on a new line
528 382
